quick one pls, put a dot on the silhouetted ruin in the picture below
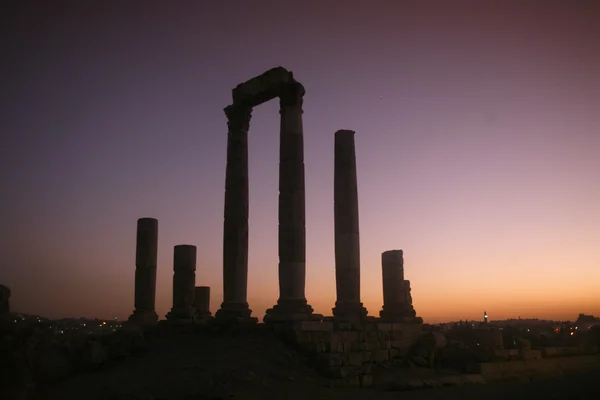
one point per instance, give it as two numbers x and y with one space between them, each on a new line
348 306
145 272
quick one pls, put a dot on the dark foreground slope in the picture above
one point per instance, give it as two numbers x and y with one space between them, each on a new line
258 366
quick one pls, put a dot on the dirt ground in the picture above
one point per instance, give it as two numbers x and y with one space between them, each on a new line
258 366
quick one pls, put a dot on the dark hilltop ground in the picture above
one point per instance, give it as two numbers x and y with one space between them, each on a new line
253 366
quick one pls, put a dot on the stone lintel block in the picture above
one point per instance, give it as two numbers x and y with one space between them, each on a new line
314 326
262 88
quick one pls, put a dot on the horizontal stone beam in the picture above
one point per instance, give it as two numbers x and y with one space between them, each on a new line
262 88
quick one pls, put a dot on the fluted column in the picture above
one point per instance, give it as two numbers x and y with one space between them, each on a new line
184 280
145 272
235 226
292 304
347 243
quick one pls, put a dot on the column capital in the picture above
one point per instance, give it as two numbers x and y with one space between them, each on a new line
238 117
292 94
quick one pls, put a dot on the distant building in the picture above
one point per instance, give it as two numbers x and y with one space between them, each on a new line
585 322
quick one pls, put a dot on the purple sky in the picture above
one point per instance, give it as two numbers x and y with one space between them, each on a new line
477 139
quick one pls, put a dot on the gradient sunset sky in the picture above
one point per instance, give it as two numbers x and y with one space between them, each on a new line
477 138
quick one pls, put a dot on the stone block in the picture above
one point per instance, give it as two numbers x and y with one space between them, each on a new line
355 359
368 346
366 356
367 368
371 336
329 360
366 380
336 372
397 327
343 326
381 355
314 326
383 326
303 337
336 344
353 381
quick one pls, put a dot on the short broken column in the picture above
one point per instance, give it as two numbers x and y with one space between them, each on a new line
348 306
202 302
395 305
145 272
184 280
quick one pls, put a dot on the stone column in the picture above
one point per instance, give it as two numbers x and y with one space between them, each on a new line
347 245
184 280
394 298
235 226
4 300
202 302
145 272
292 304
409 310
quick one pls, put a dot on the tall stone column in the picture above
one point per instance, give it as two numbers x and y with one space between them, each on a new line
235 226
145 272
292 304
347 244
202 302
184 280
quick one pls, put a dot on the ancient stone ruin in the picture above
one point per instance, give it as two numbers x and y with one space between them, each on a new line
145 272
191 304
346 343
292 304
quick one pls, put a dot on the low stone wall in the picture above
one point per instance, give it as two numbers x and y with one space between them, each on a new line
537 368
348 351
561 351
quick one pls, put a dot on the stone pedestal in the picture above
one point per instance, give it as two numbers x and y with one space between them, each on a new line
144 313
184 280
397 303
235 226
292 304
202 302
348 306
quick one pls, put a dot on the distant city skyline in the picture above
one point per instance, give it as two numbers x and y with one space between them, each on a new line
477 146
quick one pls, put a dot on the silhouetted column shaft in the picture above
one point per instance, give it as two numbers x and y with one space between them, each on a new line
292 236
235 226
202 301
392 268
397 303
145 271
184 280
347 243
